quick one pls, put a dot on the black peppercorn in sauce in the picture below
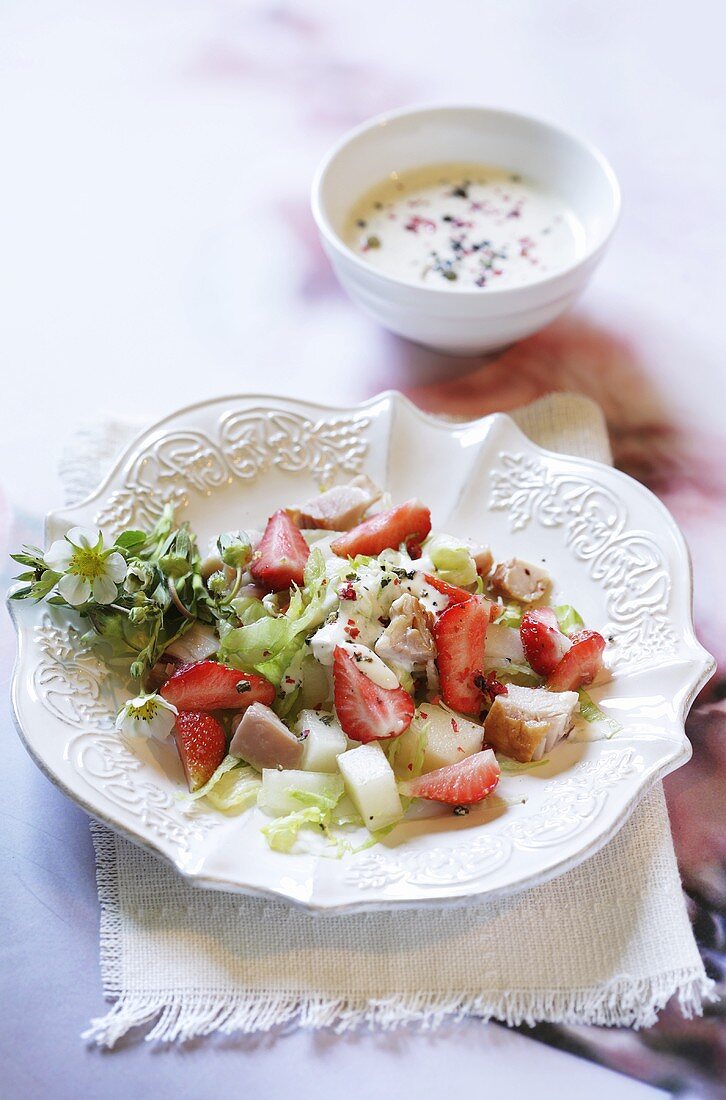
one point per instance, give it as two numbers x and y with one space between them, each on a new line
462 227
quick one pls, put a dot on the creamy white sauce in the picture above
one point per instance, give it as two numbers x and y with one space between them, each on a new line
463 226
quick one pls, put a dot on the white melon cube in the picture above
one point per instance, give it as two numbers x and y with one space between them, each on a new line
323 741
435 738
371 784
286 790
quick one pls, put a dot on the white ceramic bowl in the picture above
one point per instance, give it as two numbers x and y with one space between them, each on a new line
464 322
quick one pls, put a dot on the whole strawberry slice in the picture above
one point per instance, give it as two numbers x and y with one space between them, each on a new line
460 632
580 665
207 685
461 784
280 557
366 711
455 594
543 642
202 746
409 522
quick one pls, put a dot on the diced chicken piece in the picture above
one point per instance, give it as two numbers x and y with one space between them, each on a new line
435 739
197 644
408 639
528 722
520 580
323 741
281 790
371 784
263 741
161 671
339 508
483 560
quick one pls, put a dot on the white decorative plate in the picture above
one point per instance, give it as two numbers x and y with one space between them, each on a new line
612 548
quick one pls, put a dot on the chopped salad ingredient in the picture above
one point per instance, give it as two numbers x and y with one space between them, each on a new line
202 746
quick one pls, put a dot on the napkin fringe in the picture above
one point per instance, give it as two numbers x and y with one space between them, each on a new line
180 1015
187 1015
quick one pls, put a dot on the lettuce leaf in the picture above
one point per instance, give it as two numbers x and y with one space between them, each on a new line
233 786
511 616
268 645
345 813
248 609
282 833
452 560
591 712
515 767
323 802
568 619
522 675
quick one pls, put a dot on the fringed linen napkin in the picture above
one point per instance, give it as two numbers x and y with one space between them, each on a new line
607 943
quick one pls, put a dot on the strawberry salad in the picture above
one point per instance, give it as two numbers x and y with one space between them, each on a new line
335 667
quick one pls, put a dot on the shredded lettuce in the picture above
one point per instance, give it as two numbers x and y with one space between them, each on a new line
233 786
452 560
236 790
511 616
323 802
345 813
248 609
591 712
288 705
568 619
403 675
268 645
514 767
513 673
282 833
413 743
325 814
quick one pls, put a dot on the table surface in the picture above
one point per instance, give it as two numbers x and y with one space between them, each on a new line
157 248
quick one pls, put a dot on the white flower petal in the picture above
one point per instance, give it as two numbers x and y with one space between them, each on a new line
58 556
115 567
75 590
147 716
87 537
104 590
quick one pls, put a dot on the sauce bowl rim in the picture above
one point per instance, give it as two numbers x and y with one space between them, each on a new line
335 241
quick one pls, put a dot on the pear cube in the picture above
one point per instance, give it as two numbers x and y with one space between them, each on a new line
323 741
371 784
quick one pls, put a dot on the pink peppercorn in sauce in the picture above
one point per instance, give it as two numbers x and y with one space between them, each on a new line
463 227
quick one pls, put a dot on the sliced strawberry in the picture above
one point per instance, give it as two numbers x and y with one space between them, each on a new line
409 523
543 642
581 664
455 594
461 784
207 685
280 557
460 632
366 711
202 746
